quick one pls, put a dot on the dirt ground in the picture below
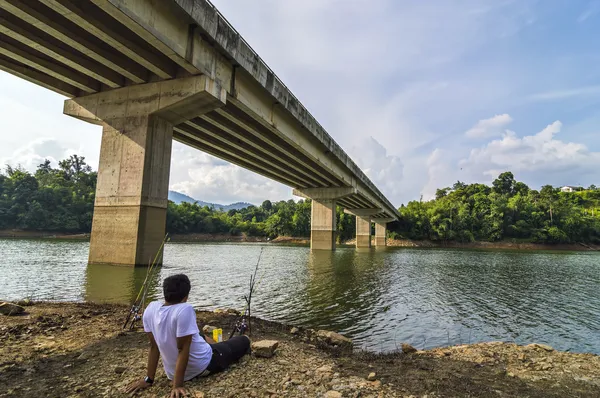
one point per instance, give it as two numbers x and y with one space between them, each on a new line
79 350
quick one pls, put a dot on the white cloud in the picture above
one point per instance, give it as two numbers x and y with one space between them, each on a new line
439 173
567 93
538 157
591 10
210 179
489 127
384 170
32 154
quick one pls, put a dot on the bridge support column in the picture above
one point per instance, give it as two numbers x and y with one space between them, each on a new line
380 234
323 221
363 232
381 231
323 224
363 225
133 175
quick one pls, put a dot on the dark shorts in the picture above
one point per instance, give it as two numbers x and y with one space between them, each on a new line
228 352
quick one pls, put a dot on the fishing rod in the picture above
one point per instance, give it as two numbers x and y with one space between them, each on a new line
243 323
137 308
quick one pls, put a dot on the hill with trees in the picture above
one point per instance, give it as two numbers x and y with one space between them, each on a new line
62 200
178 198
508 209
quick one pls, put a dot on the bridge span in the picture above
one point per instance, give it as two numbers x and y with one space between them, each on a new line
153 71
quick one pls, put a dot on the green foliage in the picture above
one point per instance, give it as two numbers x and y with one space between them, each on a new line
507 210
60 199
284 218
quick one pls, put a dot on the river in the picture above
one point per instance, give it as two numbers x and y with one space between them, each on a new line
381 298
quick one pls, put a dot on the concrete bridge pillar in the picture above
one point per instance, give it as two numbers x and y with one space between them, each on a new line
133 175
323 224
323 221
380 234
363 232
381 231
363 225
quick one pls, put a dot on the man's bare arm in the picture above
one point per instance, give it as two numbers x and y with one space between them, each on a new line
183 345
209 339
152 357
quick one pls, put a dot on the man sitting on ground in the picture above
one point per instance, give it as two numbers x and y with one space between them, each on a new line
173 333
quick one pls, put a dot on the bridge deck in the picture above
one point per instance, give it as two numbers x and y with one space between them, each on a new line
78 48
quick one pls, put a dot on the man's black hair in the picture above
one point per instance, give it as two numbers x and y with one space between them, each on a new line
176 288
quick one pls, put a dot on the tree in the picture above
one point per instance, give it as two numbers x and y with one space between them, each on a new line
267 206
441 192
504 184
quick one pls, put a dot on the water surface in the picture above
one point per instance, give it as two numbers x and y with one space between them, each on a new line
381 298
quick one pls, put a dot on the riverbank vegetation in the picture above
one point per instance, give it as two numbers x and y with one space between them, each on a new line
508 210
61 199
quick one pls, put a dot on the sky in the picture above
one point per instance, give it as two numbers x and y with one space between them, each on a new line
420 94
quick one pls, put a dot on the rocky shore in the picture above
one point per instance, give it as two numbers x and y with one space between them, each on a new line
500 245
79 350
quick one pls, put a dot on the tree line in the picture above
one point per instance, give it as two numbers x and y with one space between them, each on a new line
508 210
61 199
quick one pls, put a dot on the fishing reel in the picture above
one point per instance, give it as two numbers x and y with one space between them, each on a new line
241 326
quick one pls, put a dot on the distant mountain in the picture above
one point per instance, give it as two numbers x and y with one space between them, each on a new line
178 197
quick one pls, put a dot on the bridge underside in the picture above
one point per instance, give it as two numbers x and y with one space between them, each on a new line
230 133
90 48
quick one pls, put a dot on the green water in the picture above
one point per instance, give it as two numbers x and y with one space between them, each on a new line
381 298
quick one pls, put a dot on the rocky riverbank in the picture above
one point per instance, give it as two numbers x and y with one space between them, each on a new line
502 245
79 350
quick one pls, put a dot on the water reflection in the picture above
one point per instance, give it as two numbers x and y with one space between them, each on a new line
115 284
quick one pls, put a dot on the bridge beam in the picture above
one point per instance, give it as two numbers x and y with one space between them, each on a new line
323 222
133 176
381 231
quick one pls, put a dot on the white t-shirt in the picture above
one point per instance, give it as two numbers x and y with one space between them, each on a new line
167 322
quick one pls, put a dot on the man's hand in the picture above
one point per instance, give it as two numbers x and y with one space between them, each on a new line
178 392
136 386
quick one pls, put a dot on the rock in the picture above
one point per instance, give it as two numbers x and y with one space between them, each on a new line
536 346
120 369
333 338
265 348
294 330
11 309
372 376
208 329
232 311
198 394
325 369
332 394
408 349
24 302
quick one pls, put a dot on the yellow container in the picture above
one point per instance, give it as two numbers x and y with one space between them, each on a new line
218 335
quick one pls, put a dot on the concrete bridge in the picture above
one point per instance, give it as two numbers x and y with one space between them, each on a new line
150 71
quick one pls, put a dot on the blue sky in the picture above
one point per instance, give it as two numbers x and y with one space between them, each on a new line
419 93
